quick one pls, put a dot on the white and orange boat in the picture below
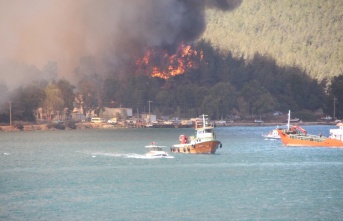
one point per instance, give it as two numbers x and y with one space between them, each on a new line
297 136
204 141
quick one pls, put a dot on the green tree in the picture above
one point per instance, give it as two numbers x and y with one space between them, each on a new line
335 91
25 100
90 89
53 103
295 33
32 97
185 97
258 98
210 106
224 96
67 94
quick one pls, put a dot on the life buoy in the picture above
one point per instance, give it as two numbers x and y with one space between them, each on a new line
183 139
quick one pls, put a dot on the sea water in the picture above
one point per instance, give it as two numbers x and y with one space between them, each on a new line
104 175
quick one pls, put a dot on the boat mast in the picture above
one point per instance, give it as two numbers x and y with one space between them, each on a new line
289 119
203 120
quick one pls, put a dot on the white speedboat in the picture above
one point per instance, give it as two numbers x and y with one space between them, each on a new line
157 152
274 134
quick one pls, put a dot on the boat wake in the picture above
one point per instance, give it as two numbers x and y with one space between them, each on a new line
128 155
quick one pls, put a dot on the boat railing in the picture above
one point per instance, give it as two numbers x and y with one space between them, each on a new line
307 137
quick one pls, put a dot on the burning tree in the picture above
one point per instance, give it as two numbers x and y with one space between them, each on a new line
158 63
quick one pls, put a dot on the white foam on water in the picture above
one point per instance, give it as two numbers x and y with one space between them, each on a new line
127 155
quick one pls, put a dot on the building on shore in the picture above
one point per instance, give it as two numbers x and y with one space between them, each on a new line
148 118
109 113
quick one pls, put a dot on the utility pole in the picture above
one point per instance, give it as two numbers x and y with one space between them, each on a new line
149 111
10 103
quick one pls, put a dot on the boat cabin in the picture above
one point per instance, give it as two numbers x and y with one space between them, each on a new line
337 133
155 148
205 133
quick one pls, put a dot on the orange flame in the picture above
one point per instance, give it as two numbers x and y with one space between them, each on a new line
169 65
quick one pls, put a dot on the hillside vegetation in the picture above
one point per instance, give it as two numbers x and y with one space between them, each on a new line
307 33
263 57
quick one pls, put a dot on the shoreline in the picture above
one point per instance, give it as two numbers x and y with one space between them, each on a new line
87 126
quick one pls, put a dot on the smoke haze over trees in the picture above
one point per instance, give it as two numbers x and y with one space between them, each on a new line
221 86
42 32
93 46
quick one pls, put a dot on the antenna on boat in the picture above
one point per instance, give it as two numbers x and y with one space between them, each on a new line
204 120
289 119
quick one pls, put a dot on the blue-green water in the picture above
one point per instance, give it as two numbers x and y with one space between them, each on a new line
103 175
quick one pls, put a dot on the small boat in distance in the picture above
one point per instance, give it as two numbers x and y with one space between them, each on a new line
297 136
272 135
204 141
294 120
156 151
327 118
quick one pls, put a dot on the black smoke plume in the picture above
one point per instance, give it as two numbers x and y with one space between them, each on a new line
40 32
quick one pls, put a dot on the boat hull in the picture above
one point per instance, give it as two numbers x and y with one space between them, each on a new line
271 137
309 141
158 156
207 147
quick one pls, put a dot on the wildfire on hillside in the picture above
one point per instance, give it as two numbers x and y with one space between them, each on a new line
158 63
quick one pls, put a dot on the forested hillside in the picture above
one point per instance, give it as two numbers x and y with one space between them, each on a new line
306 33
263 57
220 86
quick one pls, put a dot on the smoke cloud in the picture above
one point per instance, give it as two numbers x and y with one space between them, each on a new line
42 35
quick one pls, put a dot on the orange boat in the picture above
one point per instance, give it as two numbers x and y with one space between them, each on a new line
204 141
297 136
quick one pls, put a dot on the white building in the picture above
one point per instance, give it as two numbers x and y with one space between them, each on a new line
148 118
113 112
